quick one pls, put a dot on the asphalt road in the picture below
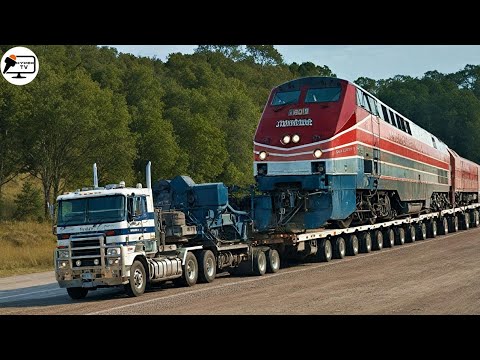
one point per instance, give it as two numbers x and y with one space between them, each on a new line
434 276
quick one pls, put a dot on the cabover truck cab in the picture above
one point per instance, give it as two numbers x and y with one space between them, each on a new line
114 236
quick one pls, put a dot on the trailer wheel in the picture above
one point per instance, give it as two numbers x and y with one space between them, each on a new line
273 261
366 242
421 231
77 293
339 248
443 226
432 229
454 224
137 281
475 219
411 234
389 238
259 262
466 221
190 271
324 252
352 245
207 267
399 236
377 240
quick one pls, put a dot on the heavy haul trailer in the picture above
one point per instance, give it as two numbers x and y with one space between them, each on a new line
114 236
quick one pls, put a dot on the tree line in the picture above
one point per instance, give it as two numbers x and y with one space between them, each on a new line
192 114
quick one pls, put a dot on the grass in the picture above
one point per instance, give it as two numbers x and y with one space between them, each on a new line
25 247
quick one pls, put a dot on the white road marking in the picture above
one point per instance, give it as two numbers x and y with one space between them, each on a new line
29 293
260 278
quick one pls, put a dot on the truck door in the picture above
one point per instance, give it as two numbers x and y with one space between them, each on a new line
137 217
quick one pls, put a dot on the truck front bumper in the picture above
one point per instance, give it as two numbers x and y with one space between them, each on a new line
90 278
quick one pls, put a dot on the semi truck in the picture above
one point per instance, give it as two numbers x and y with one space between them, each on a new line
180 231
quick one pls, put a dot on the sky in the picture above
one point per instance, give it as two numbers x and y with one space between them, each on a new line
352 61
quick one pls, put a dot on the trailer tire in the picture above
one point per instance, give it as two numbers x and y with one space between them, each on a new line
466 221
207 266
77 293
352 245
421 231
454 224
273 261
190 271
377 240
442 226
475 219
339 248
399 236
259 262
366 242
432 229
324 252
389 238
411 234
137 281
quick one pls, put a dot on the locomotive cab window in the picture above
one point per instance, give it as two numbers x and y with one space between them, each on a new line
323 95
286 97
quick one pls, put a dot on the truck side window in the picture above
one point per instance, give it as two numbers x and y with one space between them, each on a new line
139 206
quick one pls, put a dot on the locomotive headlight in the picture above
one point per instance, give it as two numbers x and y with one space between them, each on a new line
296 138
263 155
286 139
317 153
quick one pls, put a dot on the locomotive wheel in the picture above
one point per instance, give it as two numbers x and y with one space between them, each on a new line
377 240
352 245
366 242
443 226
389 238
411 234
399 236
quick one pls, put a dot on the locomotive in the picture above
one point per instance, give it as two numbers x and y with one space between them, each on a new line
327 153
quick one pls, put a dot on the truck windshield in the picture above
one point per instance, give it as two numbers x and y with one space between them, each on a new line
287 97
92 210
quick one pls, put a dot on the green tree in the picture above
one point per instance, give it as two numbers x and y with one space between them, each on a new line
28 203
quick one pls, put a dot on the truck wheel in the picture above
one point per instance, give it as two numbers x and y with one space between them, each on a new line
454 224
273 261
77 293
207 267
466 221
190 271
377 240
432 229
475 219
443 226
366 242
389 238
339 248
399 236
352 245
411 234
138 280
421 231
259 262
324 252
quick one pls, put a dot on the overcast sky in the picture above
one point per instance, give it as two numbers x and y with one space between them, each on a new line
351 61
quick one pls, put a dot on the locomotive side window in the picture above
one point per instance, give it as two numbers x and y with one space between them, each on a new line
385 114
373 105
361 101
407 125
394 121
323 95
286 97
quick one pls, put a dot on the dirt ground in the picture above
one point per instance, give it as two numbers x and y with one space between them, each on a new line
435 276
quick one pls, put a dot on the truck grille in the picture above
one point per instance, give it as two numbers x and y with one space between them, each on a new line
87 250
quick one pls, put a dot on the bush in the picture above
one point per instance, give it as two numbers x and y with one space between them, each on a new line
29 203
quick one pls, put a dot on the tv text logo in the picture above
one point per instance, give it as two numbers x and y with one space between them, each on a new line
19 65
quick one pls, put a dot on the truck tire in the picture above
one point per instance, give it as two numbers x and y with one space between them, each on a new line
475 218
466 221
324 252
454 224
377 240
366 242
421 231
443 226
339 248
190 271
399 236
77 293
389 238
432 229
137 281
273 261
411 234
259 262
207 266
352 245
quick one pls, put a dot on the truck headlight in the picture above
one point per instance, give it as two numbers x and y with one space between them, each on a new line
96 262
78 262
113 261
62 264
113 251
63 254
